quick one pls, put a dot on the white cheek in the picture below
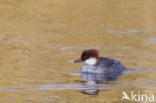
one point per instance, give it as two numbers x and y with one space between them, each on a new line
91 61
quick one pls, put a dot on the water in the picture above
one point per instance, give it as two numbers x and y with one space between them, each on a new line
40 39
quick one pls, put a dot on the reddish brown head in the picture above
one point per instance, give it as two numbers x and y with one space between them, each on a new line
90 56
90 53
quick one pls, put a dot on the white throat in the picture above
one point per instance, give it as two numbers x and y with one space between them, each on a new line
91 61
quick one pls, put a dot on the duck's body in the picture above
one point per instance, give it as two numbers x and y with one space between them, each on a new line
105 65
96 64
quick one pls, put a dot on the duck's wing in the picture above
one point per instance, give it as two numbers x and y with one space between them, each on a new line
108 62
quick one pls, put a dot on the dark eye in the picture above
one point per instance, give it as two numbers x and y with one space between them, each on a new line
84 56
87 53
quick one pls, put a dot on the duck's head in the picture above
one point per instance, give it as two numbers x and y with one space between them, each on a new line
89 56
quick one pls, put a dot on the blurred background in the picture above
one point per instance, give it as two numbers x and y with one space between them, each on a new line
39 40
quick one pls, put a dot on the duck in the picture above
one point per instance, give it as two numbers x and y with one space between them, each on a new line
93 63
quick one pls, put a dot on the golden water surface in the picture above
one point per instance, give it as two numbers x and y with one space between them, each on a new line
39 39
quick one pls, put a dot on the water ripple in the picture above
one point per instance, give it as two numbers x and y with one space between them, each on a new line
128 32
77 48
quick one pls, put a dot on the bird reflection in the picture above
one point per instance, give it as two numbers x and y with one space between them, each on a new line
93 79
